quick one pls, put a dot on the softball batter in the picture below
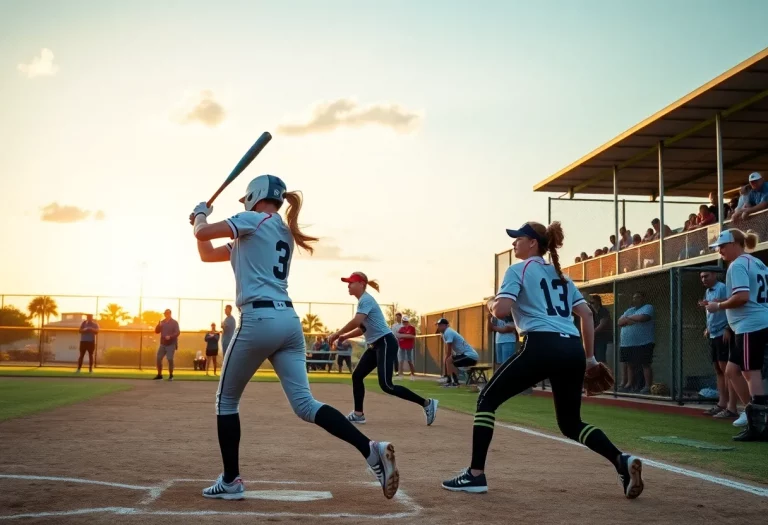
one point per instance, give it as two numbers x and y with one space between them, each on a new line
542 302
381 353
747 311
269 328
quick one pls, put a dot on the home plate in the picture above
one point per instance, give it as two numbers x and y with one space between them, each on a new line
288 495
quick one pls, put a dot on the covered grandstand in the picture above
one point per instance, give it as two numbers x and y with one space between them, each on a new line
707 142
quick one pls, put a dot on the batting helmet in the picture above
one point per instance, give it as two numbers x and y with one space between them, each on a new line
263 187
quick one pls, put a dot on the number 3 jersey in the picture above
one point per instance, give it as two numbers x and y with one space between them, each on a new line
543 301
261 256
748 274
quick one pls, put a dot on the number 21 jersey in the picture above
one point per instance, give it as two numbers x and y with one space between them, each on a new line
260 255
543 301
748 274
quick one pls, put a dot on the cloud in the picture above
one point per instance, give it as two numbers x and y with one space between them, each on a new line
327 250
41 66
201 108
66 214
346 112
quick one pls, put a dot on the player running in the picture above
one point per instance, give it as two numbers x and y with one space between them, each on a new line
269 328
542 302
747 312
381 353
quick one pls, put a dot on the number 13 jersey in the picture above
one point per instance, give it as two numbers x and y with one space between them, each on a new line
543 301
748 274
260 255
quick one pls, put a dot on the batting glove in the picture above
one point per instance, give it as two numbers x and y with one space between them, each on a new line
202 208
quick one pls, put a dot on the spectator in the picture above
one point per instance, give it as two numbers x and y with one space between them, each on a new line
211 348
636 239
506 337
578 260
705 217
598 252
656 223
168 328
344 353
757 199
693 221
612 238
603 328
584 256
88 330
637 342
406 338
720 340
228 326
395 330
316 355
713 206
626 238
732 205
648 235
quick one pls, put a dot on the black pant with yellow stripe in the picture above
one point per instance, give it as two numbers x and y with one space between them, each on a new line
544 355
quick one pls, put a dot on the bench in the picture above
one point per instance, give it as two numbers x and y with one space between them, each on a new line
313 358
476 374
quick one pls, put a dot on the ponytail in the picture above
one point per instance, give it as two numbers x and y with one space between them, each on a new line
375 285
292 217
555 239
750 240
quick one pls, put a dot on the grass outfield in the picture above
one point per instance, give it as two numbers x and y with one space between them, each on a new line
20 398
624 426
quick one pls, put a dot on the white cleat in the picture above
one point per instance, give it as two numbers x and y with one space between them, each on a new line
741 421
354 418
221 490
430 411
384 467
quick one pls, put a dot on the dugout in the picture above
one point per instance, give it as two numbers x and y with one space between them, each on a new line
708 141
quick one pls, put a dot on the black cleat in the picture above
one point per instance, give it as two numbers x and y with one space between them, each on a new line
466 482
631 475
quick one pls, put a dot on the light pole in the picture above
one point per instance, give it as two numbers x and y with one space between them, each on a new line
142 269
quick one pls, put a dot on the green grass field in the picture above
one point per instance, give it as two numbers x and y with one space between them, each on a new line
20 398
624 426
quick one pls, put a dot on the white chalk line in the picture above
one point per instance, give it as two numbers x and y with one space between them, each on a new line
736 485
155 492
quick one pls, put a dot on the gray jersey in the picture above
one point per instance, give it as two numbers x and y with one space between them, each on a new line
748 274
459 345
374 323
543 301
261 255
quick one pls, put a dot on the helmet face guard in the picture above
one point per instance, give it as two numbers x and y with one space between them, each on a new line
263 187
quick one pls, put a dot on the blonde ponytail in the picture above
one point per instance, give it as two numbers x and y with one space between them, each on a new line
292 217
374 284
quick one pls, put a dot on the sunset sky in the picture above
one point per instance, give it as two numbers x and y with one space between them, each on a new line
415 130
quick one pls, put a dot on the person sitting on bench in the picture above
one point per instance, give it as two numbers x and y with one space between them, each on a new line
458 353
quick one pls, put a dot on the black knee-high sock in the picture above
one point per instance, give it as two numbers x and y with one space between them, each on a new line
482 433
760 400
229 443
456 379
594 438
333 422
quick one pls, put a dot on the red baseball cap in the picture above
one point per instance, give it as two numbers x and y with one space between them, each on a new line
354 278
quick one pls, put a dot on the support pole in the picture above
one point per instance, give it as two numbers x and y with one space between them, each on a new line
720 182
616 214
661 203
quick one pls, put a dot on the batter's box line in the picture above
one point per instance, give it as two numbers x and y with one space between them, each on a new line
154 492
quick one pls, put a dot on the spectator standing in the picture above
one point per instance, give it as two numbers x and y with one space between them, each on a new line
506 338
612 238
720 340
603 328
228 326
168 328
88 330
211 348
638 339
344 354
713 206
656 223
705 217
648 235
626 238
398 324
406 338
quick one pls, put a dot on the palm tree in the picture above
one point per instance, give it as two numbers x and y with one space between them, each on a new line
43 307
113 313
312 324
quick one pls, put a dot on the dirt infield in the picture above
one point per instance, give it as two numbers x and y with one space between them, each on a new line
143 456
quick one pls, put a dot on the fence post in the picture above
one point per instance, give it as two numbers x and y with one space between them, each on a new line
679 313
615 339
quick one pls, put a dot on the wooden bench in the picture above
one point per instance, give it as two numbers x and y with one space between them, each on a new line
476 374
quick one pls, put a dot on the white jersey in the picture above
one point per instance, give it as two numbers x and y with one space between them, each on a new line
748 274
261 255
542 301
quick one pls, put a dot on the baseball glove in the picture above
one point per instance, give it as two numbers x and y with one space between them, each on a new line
598 379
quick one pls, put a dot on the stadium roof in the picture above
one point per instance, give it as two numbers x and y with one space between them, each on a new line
687 129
